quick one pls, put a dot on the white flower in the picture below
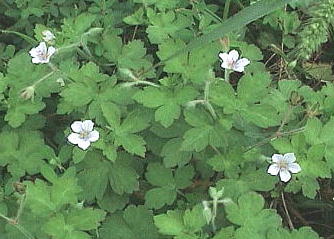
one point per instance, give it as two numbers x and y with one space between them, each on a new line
231 61
83 134
284 164
42 54
48 36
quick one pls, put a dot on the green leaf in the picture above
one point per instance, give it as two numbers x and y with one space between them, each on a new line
78 94
197 138
173 155
262 115
25 144
85 219
96 173
250 180
17 111
225 233
194 219
253 88
111 113
133 223
197 66
73 28
39 198
93 175
286 87
137 18
165 25
158 175
304 233
158 197
223 94
170 223
132 143
64 191
133 57
167 101
135 122
327 132
184 176
312 131
249 214
112 202
167 113
167 184
56 226
123 177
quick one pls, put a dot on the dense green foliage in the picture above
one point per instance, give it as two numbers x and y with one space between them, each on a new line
184 145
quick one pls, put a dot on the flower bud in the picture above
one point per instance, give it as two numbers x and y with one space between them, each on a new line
214 194
28 93
61 81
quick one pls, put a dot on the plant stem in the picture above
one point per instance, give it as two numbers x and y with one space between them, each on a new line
287 212
214 214
227 75
15 224
226 9
6 218
206 99
23 231
19 212
275 136
139 82
43 78
23 36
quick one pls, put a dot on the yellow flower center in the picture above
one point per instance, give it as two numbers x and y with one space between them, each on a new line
283 164
84 134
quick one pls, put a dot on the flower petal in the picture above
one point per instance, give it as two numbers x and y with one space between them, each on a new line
74 138
290 157
84 144
76 126
277 158
238 68
34 52
294 167
273 169
42 47
225 65
93 136
223 56
36 60
51 51
284 175
233 55
243 62
87 125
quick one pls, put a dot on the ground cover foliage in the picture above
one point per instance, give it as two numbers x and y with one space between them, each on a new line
180 146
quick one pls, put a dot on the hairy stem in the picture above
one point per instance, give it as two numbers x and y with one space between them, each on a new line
287 212
226 9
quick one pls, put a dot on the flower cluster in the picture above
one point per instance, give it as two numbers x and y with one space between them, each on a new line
283 165
41 54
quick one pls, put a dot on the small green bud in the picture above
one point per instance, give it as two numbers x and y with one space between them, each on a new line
127 73
292 64
61 81
214 194
28 93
